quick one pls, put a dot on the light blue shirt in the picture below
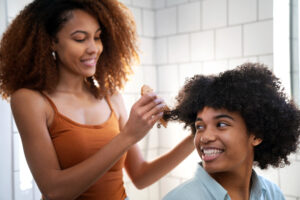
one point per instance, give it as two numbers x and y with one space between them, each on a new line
204 187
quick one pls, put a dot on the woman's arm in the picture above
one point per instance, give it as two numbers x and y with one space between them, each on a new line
143 173
30 111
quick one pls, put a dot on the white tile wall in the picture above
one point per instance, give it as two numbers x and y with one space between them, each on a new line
214 67
291 198
189 17
167 78
142 3
187 168
169 98
271 174
18 151
242 11
137 13
149 144
127 2
148 23
129 100
188 70
165 21
235 62
135 82
135 194
289 179
161 50
268 60
36 192
229 42
154 191
152 152
2 16
15 6
150 77
23 188
202 45
258 38
265 9
214 13
175 2
178 48
167 184
147 50
159 4
5 151
168 137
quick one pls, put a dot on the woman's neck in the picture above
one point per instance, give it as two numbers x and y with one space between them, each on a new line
70 83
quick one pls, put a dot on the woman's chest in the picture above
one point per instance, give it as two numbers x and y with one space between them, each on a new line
85 112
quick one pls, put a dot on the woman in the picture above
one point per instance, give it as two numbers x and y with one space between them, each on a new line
62 64
240 118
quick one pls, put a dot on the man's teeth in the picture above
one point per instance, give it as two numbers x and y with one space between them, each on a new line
211 151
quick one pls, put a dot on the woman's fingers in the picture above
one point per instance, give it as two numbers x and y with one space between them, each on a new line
146 99
154 109
155 118
156 103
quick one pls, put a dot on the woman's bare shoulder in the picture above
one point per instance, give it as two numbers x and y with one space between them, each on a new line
25 95
118 104
116 97
28 100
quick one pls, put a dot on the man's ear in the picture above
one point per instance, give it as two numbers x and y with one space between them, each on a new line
255 140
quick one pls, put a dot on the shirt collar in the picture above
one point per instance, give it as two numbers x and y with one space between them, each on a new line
257 188
215 189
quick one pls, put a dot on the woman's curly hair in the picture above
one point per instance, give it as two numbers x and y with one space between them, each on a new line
256 94
25 49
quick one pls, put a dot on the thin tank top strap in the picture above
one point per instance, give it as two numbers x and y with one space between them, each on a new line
109 103
51 102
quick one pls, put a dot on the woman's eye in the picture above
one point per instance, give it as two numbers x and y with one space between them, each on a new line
79 40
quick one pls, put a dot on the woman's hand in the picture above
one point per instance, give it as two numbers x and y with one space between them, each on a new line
143 115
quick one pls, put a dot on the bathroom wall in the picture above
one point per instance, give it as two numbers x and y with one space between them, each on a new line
178 38
5 127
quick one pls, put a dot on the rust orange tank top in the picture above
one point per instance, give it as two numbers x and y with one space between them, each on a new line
76 142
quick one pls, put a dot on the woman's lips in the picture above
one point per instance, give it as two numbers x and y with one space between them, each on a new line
90 62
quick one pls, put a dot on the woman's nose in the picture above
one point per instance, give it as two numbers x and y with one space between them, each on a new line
93 47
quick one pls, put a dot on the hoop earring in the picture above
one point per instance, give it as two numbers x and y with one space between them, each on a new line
54 55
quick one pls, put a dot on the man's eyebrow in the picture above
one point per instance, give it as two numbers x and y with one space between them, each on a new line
223 116
199 119
84 32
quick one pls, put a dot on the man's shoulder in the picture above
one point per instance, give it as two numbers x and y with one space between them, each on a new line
190 189
271 189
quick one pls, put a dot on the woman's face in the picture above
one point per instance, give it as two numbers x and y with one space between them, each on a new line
78 45
222 141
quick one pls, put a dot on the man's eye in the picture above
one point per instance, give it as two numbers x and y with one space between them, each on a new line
222 124
199 127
